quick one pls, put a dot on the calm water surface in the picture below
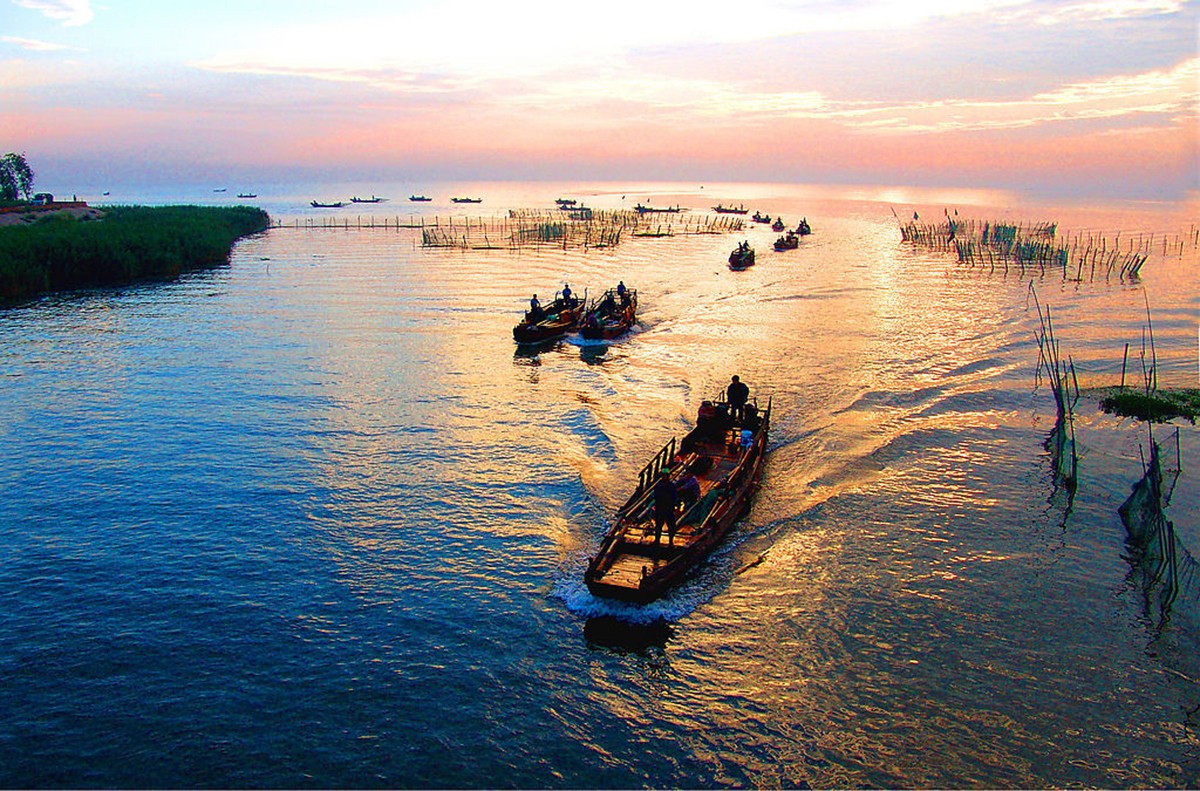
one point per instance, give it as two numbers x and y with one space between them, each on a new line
312 519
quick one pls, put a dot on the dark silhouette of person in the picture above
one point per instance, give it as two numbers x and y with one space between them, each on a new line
736 395
566 296
535 309
665 498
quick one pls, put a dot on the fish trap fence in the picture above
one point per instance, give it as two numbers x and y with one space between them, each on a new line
1038 247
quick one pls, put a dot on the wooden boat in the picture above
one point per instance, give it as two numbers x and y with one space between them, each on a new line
609 316
778 225
790 241
761 218
565 202
722 209
336 205
803 228
419 198
725 454
247 194
556 319
371 199
640 209
466 200
741 257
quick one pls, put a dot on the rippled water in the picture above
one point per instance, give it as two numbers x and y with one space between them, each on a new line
312 519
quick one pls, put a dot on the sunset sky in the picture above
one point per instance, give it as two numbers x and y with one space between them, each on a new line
1079 97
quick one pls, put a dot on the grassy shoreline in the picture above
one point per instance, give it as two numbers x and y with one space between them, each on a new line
128 244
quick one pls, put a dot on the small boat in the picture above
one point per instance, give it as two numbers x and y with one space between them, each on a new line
609 316
741 257
803 228
722 209
371 199
466 200
565 202
790 241
419 198
725 454
335 205
778 225
763 218
247 194
640 209
556 319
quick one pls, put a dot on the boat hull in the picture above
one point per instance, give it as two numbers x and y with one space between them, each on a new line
554 325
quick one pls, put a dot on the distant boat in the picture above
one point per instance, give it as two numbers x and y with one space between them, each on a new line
565 202
247 194
419 198
222 189
789 242
336 205
466 200
640 209
722 209
763 218
778 225
803 228
371 199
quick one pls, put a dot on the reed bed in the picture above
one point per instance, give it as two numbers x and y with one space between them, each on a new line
1065 386
1038 247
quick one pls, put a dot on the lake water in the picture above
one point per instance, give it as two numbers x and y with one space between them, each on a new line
313 519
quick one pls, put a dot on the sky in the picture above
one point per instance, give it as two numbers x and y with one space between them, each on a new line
1075 98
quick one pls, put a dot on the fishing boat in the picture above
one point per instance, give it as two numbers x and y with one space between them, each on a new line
247 194
724 454
466 200
552 321
789 241
419 198
335 205
760 218
565 202
722 209
371 199
778 225
609 316
741 257
803 229
640 209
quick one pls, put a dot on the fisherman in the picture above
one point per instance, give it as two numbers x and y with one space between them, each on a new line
665 498
621 289
566 296
736 395
535 309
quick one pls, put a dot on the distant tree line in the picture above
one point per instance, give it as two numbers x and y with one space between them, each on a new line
16 177
128 244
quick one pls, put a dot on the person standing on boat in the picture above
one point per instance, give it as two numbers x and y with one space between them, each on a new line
736 395
566 296
535 309
665 498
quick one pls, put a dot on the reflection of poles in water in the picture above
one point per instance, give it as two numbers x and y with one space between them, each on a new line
1157 559
1065 386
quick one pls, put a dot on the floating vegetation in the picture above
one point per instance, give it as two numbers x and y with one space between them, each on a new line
1030 247
1149 403
1065 386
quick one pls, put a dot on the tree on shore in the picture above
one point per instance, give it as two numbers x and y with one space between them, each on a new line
16 177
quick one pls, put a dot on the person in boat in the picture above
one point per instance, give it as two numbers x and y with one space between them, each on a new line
621 290
609 306
665 499
566 296
736 395
535 309
689 489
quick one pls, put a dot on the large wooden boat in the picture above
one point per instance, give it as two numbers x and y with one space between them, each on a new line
466 200
372 199
334 205
641 209
555 320
725 454
742 257
722 209
609 316
419 199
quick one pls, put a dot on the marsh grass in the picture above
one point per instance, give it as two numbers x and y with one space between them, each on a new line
128 244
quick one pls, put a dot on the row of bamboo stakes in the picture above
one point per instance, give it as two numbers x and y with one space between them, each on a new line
531 227
1030 246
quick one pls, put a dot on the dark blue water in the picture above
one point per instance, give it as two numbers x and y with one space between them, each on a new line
311 519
